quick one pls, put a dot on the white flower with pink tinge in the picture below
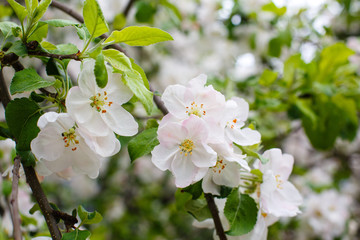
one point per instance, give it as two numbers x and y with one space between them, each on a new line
196 99
237 111
61 144
183 150
98 109
278 197
226 171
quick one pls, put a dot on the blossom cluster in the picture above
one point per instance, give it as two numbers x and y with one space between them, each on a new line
77 141
198 139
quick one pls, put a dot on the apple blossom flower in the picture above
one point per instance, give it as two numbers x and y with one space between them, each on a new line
60 144
183 150
196 99
278 196
98 109
237 111
226 171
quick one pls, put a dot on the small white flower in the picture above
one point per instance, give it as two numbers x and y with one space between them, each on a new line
60 144
184 151
97 109
278 197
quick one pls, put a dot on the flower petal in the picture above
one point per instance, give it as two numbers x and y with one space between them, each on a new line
184 170
120 120
162 156
78 105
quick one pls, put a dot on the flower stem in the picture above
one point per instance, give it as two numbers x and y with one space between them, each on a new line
14 201
215 215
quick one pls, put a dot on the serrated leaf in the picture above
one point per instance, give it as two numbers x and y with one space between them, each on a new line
94 19
47 45
134 81
4 130
100 71
142 73
139 36
76 235
18 48
117 59
28 80
41 9
241 212
143 143
40 32
82 32
51 68
19 10
89 217
6 27
194 189
198 209
22 115
61 23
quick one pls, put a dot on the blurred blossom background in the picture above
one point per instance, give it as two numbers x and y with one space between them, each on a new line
297 63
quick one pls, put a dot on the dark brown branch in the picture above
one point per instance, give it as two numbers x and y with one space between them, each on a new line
11 59
215 215
41 199
160 104
74 56
14 201
128 7
69 220
4 93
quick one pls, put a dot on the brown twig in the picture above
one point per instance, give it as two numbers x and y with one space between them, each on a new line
4 93
74 56
41 199
215 215
128 7
14 201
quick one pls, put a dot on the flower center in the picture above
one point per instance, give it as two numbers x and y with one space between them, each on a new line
195 110
220 165
187 147
70 139
99 101
278 181
232 123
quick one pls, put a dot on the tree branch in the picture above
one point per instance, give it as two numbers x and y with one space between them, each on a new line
4 93
128 7
215 215
41 199
74 56
14 201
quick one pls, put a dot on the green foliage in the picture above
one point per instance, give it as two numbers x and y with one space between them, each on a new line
117 59
143 143
41 9
271 7
27 157
145 11
6 187
4 130
19 10
28 80
250 152
88 217
18 48
22 115
76 235
139 36
119 21
61 23
6 28
268 77
194 189
40 31
196 207
241 211
94 18
100 71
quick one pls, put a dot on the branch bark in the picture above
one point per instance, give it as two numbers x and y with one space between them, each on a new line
74 56
14 201
215 215
128 7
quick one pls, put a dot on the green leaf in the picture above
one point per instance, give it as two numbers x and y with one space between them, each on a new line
61 23
194 189
117 59
271 7
76 235
47 45
18 48
82 32
241 211
248 151
41 9
198 209
291 66
19 10
34 208
268 77
142 73
6 187
94 19
349 115
172 8
100 71
6 27
134 81
139 36
143 143
27 157
89 217
22 115
31 5
119 21
5 11
4 130
145 12
51 68
40 32
64 49
28 80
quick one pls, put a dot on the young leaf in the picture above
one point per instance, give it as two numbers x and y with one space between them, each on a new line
142 73
268 77
134 81
28 80
143 143
89 217
76 235
117 59
241 211
18 48
61 23
22 115
252 153
194 189
100 71
82 32
198 209
94 19
139 36
41 9
6 27
19 10
40 32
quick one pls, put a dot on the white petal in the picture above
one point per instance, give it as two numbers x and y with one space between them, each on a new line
208 185
46 118
203 156
174 100
117 91
172 134
48 144
162 156
86 161
229 176
120 120
96 126
184 171
198 81
78 105
87 81
243 137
